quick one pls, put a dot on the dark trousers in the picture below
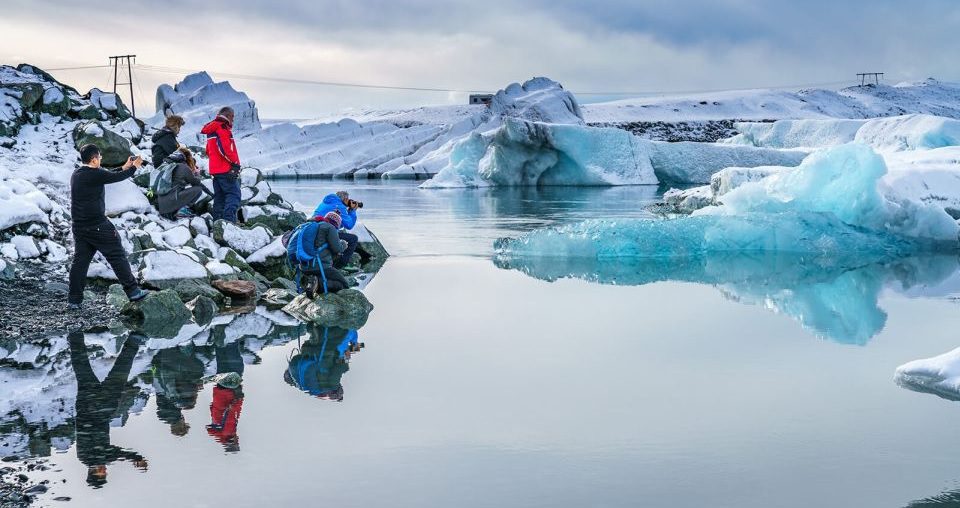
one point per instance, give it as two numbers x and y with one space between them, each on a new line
105 240
335 280
344 258
226 198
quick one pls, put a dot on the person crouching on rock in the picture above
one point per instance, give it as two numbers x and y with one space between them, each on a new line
92 232
165 140
327 234
224 166
186 187
347 208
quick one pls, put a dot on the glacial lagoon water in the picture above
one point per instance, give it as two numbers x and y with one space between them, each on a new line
751 382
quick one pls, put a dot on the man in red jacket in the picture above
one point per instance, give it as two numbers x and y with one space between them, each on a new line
224 165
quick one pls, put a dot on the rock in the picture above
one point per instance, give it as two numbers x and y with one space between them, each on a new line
372 253
191 289
245 240
203 309
348 308
7 269
165 268
89 296
116 297
160 314
55 102
114 148
271 261
89 112
36 489
233 259
237 289
277 220
59 288
284 283
276 298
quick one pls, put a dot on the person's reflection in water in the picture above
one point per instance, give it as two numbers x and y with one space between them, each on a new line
321 362
225 410
177 380
97 404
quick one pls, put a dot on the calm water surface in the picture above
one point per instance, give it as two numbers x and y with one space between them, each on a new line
751 383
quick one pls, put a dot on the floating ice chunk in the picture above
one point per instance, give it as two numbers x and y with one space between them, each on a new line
910 132
844 182
728 179
939 375
526 153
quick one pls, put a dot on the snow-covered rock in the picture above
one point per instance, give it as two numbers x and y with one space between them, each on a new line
245 241
170 265
125 196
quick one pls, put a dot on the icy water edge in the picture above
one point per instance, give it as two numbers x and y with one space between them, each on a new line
739 382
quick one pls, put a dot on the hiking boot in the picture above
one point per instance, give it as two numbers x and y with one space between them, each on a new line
138 295
310 284
185 213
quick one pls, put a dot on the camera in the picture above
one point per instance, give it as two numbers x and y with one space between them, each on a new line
355 204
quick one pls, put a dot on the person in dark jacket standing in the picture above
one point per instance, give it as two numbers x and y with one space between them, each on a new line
97 404
92 232
186 187
224 166
165 140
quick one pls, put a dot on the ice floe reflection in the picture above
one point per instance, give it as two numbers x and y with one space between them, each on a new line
833 298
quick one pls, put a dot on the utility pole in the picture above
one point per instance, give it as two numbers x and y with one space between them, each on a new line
130 60
865 77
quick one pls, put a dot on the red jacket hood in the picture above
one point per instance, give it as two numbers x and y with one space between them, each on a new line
215 124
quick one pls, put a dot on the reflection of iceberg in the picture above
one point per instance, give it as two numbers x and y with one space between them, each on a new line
939 375
835 298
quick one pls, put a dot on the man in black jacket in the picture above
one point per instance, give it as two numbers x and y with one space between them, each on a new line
165 140
92 232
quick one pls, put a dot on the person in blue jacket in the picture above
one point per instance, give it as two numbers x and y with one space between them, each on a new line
347 208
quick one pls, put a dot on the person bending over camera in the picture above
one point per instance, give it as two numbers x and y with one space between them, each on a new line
341 203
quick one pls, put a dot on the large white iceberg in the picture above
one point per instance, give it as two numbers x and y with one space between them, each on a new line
532 153
197 99
833 203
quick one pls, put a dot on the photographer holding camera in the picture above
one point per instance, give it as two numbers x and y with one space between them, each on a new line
347 208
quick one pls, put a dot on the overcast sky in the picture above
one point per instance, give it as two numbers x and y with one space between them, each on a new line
588 46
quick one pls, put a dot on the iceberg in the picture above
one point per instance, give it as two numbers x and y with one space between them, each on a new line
910 132
197 99
523 153
939 375
688 162
796 133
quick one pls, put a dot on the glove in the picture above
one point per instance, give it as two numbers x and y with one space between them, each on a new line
235 170
343 245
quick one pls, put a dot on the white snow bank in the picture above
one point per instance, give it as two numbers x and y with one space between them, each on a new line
910 132
528 153
797 133
939 375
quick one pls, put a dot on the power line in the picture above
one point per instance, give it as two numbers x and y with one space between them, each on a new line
82 67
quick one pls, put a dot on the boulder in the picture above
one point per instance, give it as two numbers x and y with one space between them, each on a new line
160 314
114 147
165 269
284 283
190 289
271 261
203 309
244 240
55 102
237 289
277 298
235 260
277 219
348 308
116 297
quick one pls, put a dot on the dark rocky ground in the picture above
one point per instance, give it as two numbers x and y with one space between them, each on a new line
32 307
16 488
709 131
